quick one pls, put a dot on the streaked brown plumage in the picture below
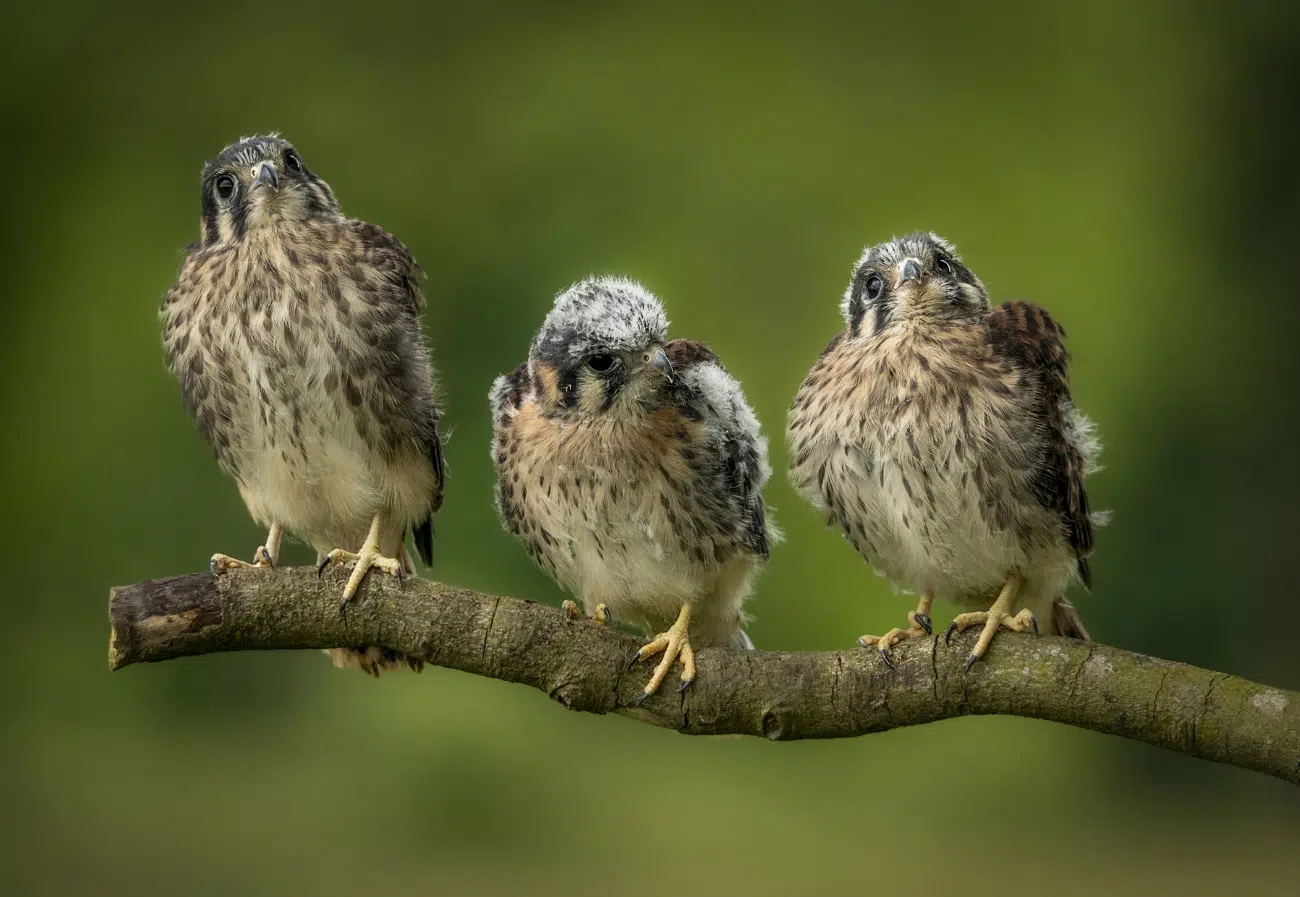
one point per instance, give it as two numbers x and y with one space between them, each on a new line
295 335
941 437
631 468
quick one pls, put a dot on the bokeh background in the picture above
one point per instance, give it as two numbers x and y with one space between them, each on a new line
1130 166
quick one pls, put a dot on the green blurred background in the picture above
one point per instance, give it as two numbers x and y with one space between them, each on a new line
1129 166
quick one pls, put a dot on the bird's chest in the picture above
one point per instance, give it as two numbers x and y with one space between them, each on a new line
608 510
277 356
916 466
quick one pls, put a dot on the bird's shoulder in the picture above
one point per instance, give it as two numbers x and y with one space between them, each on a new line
710 395
399 271
508 394
196 272
1027 336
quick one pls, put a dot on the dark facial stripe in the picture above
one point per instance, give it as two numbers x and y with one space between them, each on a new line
238 212
858 302
884 305
567 380
210 212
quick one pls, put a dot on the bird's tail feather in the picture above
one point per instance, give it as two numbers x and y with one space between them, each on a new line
740 639
373 661
1066 621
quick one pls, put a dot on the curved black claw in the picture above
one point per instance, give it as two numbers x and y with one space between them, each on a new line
970 661
925 623
320 569
641 699
884 655
266 556
631 664
1034 621
947 636
686 683
401 578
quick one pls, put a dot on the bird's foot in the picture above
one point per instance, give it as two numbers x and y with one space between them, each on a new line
602 615
366 559
919 625
674 645
992 622
220 563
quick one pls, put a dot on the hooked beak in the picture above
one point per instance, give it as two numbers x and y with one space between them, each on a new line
909 269
265 175
659 359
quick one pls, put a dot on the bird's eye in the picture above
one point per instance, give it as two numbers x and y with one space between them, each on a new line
600 362
875 286
292 162
225 186
943 266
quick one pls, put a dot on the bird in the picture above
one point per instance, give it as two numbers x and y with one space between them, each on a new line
940 436
631 468
295 335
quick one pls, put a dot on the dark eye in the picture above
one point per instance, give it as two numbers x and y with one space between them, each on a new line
943 266
225 186
292 162
600 362
875 286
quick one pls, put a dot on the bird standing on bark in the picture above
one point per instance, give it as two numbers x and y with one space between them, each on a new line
631 468
941 437
295 334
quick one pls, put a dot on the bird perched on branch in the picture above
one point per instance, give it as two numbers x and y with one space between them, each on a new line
631 468
941 437
295 335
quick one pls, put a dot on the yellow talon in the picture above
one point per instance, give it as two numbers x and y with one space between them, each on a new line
571 610
675 645
366 559
996 617
265 556
918 626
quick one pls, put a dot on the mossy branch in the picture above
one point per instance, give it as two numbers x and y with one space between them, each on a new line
781 696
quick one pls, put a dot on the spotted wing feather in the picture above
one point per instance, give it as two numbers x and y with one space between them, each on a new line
506 398
1027 336
397 285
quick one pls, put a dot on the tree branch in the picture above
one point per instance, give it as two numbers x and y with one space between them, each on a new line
781 696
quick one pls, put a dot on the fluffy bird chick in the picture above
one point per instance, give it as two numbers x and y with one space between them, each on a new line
295 335
632 469
941 437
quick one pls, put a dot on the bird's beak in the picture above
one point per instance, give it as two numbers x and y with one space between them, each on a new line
659 359
265 175
909 269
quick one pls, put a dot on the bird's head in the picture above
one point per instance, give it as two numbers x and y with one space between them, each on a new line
601 350
258 182
914 278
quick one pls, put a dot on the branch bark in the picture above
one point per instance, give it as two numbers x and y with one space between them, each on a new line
776 695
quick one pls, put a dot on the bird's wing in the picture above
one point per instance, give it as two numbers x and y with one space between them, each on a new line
742 449
398 282
508 395
1026 336
198 380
